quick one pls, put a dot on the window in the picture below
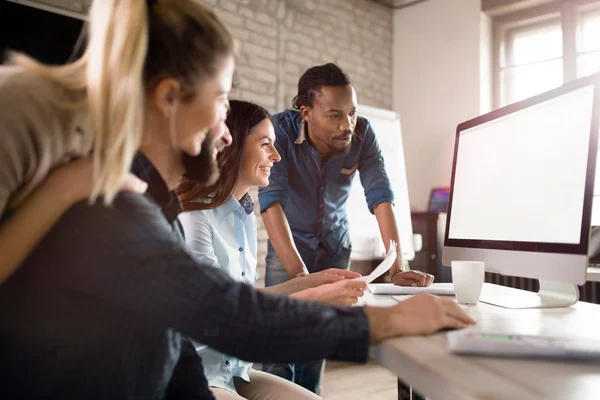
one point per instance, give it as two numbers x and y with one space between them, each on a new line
534 62
540 48
588 44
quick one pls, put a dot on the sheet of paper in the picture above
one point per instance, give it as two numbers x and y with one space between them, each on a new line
385 265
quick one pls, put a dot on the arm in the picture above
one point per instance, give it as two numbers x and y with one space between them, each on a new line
387 225
420 315
300 287
24 228
281 238
198 238
194 299
288 287
272 201
373 175
343 293
380 198
156 279
21 232
386 219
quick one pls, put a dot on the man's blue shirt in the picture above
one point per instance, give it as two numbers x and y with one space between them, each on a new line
313 194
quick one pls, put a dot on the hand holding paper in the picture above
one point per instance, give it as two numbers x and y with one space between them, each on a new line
385 265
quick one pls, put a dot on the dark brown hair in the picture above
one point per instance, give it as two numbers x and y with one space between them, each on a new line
186 41
243 116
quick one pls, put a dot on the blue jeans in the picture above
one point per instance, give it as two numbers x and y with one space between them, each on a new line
307 375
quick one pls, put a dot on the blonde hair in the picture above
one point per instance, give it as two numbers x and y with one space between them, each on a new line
133 44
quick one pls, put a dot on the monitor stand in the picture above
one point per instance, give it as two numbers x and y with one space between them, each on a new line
550 295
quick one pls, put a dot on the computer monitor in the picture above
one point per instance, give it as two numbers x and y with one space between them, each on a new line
521 194
438 199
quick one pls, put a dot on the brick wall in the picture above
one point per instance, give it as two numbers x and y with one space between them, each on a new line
279 39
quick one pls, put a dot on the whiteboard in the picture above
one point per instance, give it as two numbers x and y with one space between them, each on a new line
364 231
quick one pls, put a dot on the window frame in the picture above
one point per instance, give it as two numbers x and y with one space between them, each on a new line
507 63
591 10
510 34
505 26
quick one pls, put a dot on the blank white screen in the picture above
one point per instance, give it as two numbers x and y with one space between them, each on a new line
521 177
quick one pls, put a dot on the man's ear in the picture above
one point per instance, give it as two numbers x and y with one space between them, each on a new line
306 113
165 95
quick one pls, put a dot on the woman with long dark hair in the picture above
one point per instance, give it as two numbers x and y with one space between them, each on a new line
220 228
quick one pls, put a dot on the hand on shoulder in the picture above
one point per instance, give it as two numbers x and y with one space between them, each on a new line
73 181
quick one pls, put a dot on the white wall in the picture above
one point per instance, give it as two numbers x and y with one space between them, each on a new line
436 79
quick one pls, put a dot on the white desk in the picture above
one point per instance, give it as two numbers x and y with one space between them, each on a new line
425 364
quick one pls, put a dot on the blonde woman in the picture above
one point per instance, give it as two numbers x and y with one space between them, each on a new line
92 108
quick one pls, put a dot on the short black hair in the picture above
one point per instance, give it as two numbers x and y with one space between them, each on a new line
311 82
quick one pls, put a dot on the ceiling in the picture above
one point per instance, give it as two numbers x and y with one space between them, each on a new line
398 3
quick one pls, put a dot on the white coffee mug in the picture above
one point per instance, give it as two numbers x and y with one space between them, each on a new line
467 277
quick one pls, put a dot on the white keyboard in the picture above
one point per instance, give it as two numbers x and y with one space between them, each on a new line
472 341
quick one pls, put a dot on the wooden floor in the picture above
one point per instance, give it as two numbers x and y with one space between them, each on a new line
346 381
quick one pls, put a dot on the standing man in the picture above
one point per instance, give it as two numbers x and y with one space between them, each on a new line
322 144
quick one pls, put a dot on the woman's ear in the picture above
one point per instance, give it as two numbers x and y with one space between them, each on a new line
166 95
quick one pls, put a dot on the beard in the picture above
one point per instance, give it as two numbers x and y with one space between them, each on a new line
202 168
337 150
340 150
